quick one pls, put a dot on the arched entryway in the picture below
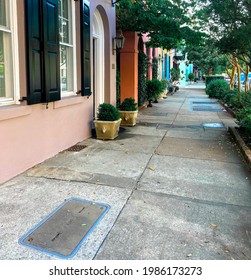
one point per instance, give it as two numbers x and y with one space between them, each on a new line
98 61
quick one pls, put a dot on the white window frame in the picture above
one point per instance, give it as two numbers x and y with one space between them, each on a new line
15 56
73 45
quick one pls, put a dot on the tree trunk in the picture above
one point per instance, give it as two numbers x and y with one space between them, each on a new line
239 77
236 63
232 78
246 78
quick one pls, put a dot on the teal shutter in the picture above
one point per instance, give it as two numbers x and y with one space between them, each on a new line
42 41
85 48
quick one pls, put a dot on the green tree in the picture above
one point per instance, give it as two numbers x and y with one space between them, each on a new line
230 28
166 22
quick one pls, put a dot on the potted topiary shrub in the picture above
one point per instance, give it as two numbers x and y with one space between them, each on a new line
153 89
128 112
108 122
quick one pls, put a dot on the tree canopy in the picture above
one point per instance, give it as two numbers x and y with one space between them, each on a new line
228 23
166 23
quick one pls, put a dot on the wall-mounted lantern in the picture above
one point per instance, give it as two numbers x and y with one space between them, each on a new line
114 2
118 42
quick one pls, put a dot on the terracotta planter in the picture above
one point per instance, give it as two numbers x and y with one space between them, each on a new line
107 130
128 118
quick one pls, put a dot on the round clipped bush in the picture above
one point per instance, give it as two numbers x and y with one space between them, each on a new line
107 112
128 105
217 89
191 77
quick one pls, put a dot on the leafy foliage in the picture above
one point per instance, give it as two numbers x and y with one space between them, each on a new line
229 25
210 79
175 74
191 77
154 88
155 68
217 88
142 73
107 112
166 22
128 105
244 118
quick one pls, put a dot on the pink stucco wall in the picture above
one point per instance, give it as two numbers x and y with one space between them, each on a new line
32 134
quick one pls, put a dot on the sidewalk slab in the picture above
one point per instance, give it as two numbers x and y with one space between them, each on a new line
161 227
25 201
199 133
199 149
95 165
213 181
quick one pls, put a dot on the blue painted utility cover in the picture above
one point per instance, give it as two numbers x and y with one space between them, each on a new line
62 232
213 125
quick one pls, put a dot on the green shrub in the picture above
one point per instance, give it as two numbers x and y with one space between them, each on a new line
164 84
128 105
191 77
228 96
153 89
107 112
217 89
210 79
244 118
239 100
175 74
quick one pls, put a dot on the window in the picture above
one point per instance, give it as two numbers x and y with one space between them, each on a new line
7 83
67 46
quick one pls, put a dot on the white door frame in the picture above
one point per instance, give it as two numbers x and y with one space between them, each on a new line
98 61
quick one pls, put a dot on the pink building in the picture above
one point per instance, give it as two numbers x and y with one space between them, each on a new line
56 66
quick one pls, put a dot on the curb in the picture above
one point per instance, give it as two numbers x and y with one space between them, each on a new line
241 144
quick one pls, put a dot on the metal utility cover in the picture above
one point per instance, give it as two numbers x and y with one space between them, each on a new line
209 106
213 125
65 229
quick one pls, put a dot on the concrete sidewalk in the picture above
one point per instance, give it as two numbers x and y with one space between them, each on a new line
177 189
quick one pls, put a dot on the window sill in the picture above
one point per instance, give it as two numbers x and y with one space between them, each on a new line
68 101
14 111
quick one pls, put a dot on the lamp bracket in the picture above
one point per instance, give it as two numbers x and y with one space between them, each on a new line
114 2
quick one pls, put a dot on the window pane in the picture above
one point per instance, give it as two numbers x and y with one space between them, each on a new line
66 48
4 12
6 85
66 68
2 72
65 19
64 30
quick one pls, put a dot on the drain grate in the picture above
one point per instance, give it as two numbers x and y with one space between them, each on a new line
76 148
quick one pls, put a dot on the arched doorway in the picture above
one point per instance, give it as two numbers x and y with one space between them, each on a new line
98 61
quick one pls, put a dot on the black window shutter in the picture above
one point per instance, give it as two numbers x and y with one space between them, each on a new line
51 50
85 48
42 51
35 71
